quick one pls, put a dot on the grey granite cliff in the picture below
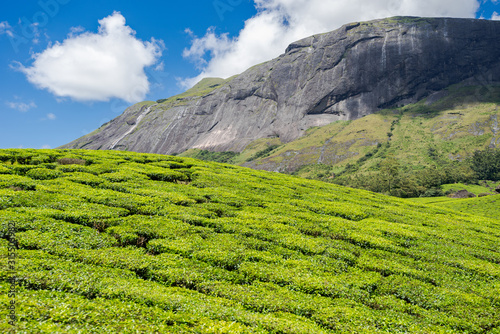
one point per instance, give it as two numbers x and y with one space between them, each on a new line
341 75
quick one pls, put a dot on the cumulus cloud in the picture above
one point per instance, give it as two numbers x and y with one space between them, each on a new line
495 16
280 22
97 66
5 28
51 116
21 106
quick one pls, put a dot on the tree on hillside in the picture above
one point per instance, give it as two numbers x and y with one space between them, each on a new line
389 168
486 164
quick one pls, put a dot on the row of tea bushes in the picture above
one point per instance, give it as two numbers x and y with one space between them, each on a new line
211 248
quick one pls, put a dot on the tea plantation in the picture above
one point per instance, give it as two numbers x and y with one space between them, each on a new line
120 242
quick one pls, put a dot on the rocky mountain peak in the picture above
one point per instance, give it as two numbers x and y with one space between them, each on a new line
345 74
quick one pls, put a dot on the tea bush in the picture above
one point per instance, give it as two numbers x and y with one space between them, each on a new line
43 174
129 242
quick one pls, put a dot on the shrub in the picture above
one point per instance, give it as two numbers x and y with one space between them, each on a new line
101 168
23 157
15 181
7 156
486 164
42 159
123 176
84 178
22 169
223 157
43 174
263 153
167 175
5 170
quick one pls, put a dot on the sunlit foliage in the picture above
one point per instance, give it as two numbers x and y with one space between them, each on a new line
125 242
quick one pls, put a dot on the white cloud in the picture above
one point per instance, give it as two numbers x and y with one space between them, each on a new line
160 67
21 106
495 16
51 116
46 147
5 28
97 66
76 30
280 22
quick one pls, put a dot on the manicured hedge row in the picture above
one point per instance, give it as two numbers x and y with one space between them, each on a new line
193 246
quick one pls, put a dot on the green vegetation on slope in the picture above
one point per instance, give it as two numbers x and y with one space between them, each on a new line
487 203
486 164
429 182
488 206
204 87
483 187
223 157
446 127
429 143
127 242
257 149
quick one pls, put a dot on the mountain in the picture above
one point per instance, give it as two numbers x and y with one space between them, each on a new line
124 242
345 74
444 127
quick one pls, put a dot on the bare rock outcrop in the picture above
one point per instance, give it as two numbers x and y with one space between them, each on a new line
341 75
462 194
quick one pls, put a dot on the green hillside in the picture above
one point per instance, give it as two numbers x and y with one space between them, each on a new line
121 242
445 127
428 142
487 206
203 87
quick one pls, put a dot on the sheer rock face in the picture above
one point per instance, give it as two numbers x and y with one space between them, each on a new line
341 75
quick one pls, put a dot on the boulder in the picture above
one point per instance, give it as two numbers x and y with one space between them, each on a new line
462 194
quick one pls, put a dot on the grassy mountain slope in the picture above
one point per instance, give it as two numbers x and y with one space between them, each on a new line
205 86
447 126
124 242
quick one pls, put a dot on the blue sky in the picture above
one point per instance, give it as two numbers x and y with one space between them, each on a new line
68 66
